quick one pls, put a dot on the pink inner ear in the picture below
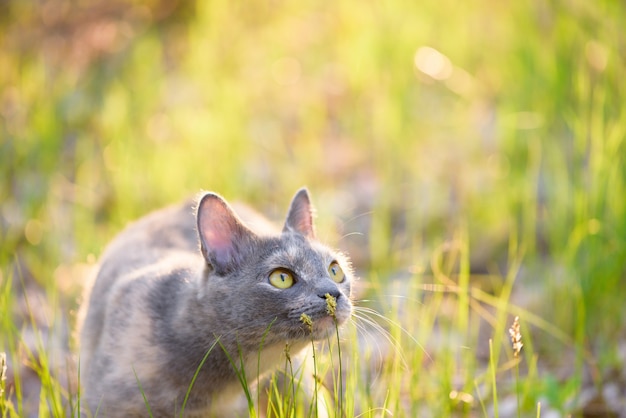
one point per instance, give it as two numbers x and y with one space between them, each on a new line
303 220
299 218
218 228
219 242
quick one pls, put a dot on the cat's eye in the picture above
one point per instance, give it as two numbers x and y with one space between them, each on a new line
281 279
336 273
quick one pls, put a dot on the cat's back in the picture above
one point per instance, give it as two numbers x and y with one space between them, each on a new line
169 229
149 250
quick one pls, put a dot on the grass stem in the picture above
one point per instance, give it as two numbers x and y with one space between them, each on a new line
494 386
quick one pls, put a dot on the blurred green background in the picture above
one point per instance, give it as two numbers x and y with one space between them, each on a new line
414 125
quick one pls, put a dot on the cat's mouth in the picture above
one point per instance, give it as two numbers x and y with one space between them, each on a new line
326 327
323 325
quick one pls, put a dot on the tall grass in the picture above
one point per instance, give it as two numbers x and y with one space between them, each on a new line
473 154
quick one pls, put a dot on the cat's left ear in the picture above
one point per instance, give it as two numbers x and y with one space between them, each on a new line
224 239
300 215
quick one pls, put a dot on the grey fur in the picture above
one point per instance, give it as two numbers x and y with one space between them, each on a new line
173 282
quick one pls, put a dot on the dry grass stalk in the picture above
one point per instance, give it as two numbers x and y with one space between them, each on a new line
331 304
3 371
516 337
306 320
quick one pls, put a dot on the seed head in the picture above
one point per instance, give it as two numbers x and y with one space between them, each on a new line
516 337
287 350
331 304
306 320
3 370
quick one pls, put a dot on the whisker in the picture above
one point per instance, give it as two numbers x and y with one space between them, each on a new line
350 234
391 340
360 215
372 325
392 323
375 370
393 296
368 329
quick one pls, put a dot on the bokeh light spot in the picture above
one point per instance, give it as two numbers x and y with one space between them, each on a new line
433 63
597 55
33 231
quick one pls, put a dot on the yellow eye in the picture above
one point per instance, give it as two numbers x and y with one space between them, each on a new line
281 279
336 273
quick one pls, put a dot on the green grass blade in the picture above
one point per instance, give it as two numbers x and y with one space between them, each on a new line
195 376
143 395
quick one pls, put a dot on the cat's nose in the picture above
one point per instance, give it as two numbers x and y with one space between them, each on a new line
334 293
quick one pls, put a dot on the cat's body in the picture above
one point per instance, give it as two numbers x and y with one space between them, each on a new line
174 284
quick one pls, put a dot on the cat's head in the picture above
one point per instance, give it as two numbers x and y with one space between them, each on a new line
285 286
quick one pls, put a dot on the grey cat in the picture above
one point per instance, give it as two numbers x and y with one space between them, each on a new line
174 283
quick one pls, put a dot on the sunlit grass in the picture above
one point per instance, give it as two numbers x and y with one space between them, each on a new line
471 155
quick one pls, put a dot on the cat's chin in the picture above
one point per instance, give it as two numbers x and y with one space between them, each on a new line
325 327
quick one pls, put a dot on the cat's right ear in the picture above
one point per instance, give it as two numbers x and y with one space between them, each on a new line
223 237
300 215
